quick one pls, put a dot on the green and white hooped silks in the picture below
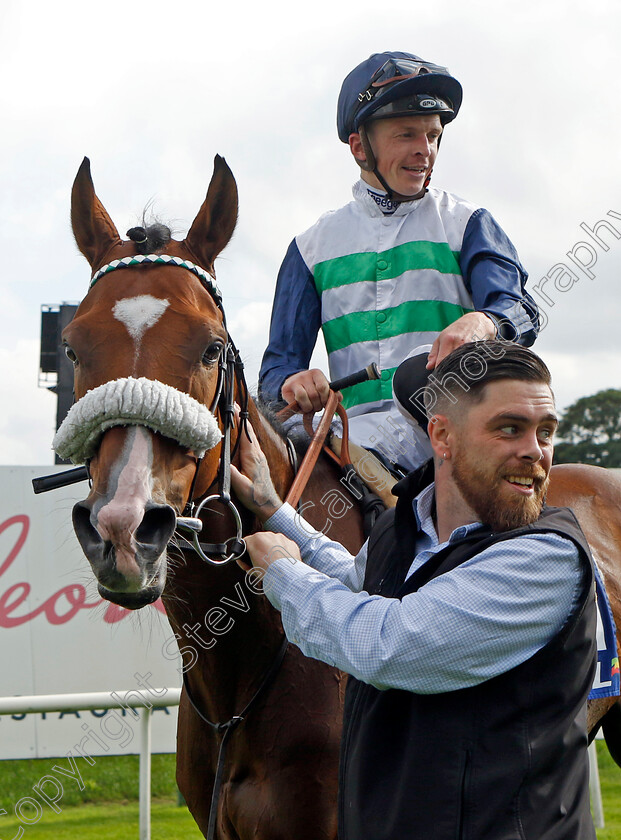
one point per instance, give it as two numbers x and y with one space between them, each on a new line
388 284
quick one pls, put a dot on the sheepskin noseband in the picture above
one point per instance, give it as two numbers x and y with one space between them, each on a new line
135 402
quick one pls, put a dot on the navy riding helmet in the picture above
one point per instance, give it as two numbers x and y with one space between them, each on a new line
394 84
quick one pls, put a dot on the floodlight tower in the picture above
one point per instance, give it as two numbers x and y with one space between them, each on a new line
55 369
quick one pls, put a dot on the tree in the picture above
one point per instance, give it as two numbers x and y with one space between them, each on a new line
590 431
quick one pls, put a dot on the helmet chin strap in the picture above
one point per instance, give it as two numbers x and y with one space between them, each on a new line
370 165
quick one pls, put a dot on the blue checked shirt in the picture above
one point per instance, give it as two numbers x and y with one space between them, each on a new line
470 624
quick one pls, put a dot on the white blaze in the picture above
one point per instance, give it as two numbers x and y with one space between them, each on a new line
139 313
121 515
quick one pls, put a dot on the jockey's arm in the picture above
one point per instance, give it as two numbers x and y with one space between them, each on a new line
473 326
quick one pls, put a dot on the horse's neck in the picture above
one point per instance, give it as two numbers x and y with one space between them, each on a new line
227 632
240 631
275 449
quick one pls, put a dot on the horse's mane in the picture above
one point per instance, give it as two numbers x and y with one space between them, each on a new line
297 436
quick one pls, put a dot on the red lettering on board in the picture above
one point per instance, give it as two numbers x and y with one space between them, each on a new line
60 607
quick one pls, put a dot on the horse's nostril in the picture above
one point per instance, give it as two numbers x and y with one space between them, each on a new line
156 530
87 534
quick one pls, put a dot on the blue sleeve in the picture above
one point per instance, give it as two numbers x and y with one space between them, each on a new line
317 549
466 626
496 279
296 320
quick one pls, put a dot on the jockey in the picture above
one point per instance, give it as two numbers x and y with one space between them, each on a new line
402 266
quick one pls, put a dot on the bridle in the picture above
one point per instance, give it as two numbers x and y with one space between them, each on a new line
230 371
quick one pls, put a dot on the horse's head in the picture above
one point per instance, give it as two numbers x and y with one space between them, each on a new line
147 344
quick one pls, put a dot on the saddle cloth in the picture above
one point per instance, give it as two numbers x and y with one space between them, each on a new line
607 680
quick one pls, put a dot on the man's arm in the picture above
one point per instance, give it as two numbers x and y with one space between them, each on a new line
496 280
296 320
466 626
462 628
253 486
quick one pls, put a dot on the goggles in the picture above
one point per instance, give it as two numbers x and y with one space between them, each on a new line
420 103
397 70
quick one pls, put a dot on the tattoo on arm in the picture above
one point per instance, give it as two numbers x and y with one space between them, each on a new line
263 492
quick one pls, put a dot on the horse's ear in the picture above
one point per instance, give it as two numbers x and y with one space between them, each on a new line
93 228
214 225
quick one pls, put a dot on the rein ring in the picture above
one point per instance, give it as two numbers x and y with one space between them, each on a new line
238 542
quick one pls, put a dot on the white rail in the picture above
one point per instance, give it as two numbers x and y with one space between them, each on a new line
146 701
596 793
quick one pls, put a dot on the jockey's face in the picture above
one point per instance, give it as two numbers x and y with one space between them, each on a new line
502 452
405 150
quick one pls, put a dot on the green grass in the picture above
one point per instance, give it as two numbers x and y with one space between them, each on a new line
110 779
112 821
610 783
108 807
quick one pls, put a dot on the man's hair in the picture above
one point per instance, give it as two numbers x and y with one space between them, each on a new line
464 373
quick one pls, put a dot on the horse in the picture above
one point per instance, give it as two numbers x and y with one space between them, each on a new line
156 378
162 322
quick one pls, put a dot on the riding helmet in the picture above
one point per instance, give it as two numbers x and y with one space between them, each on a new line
394 84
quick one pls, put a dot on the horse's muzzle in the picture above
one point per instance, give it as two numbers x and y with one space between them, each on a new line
132 573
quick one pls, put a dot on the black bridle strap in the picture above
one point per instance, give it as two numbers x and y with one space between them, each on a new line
228 419
229 365
228 728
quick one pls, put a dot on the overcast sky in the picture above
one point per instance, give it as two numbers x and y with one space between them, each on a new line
151 92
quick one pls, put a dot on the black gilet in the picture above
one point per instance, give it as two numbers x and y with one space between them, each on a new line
503 760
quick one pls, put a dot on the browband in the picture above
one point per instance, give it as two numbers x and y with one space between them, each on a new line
161 259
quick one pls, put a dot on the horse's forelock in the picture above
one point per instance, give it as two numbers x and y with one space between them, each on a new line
150 238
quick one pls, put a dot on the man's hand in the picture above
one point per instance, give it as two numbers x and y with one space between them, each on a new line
473 326
253 484
309 388
265 547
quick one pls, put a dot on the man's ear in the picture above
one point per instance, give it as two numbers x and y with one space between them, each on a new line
440 431
361 149
357 150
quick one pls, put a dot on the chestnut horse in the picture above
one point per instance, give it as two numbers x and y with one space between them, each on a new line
146 335
150 337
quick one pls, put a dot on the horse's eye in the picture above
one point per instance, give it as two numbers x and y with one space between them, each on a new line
212 353
70 354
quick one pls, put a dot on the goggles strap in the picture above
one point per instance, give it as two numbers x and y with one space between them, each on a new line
368 164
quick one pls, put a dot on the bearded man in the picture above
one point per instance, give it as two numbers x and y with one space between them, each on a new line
466 622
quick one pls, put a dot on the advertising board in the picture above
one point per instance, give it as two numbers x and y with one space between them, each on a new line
58 636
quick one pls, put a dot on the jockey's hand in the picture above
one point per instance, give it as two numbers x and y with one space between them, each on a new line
473 326
252 483
264 547
309 388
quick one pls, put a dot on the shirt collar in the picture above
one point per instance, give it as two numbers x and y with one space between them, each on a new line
377 203
423 506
